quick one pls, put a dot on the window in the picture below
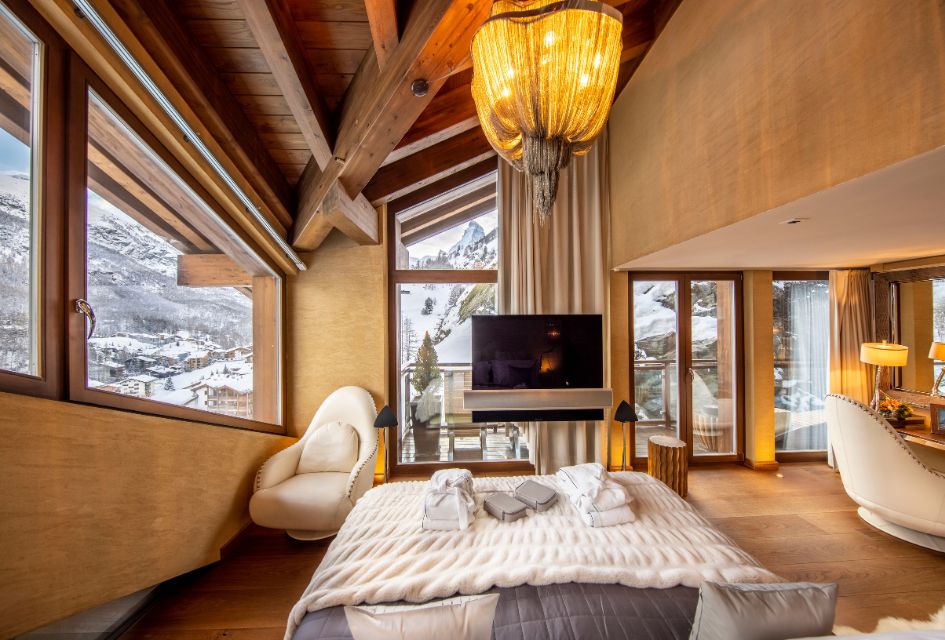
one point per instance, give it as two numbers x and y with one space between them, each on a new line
446 259
20 75
688 323
181 316
801 363
918 319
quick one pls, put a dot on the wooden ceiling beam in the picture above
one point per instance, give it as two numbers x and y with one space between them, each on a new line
272 26
380 107
430 165
450 221
382 16
451 113
157 28
448 208
211 270
453 182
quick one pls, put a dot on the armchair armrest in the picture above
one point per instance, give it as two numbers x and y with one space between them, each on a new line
278 468
362 476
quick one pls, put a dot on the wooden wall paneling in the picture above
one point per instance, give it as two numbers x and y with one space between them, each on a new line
267 356
155 25
124 501
419 170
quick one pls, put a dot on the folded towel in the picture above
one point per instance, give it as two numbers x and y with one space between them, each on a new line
610 504
608 518
452 478
592 488
449 502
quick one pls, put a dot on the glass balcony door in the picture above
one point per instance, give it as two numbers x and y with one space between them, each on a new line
685 332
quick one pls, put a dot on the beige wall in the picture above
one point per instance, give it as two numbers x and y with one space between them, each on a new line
745 105
336 328
98 503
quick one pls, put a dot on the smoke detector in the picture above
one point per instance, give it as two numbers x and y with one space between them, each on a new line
794 220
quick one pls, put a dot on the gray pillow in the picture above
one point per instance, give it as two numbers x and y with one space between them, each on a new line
764 611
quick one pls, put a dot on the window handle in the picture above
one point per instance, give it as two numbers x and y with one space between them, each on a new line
83 307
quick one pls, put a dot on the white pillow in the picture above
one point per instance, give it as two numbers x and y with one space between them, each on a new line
333 447
466 617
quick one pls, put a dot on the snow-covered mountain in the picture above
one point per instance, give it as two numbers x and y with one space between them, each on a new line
131 280
476 249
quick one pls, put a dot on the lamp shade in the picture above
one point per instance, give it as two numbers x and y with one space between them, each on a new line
625 413
884 354
386 418
937 352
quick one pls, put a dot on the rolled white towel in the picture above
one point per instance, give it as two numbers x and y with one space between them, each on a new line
608 518
589 487
449 502
452 478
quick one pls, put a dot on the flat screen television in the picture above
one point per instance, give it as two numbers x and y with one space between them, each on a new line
537 352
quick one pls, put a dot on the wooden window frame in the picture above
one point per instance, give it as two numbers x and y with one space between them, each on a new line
48 303
814 455
267 326
683 301
396 278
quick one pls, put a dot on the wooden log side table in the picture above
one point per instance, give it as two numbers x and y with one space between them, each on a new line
668 461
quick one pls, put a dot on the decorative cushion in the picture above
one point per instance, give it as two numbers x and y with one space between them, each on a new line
764 611
333 447
467 617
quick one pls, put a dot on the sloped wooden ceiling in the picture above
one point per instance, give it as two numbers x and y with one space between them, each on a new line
325 87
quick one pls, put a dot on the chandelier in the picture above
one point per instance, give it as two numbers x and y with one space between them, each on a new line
544 75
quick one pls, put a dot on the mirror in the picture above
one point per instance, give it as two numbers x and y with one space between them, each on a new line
917 316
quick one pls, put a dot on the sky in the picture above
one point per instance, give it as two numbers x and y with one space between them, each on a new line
443 241
14 155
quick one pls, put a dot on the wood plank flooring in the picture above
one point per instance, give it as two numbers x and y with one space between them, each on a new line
800 525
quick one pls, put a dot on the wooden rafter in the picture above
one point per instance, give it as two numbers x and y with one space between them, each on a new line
382 16
456 182
449 220
271 25
428 222
157 28
380 107
439 161
211 270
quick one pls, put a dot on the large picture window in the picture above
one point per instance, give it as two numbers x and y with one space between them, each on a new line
20 80
445 259
801 362
179 315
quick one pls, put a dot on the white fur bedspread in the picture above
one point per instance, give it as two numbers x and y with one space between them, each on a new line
382 555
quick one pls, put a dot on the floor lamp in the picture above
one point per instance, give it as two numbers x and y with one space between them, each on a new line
386 418
882 354
623 415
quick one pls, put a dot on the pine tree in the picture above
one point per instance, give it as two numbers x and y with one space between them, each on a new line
169 385
427 368
427 307
408 340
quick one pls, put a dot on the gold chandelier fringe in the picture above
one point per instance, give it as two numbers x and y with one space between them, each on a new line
544 75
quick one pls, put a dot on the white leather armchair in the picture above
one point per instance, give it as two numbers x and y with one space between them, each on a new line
896 491
313 505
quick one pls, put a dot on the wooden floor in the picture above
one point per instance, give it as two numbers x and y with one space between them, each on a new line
801 525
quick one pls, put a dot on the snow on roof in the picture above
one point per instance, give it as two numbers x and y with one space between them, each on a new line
239 383
142 378
120 342
199 354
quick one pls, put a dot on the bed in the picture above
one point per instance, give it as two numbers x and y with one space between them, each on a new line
556 577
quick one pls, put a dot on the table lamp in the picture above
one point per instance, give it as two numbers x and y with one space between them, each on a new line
386 418
937 352
882 354
623 415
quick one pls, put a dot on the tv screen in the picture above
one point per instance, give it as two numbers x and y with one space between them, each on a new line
537 352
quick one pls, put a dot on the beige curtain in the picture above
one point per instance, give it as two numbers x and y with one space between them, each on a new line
850 326
560 267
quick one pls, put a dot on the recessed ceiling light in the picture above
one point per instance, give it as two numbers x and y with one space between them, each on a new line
794 220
